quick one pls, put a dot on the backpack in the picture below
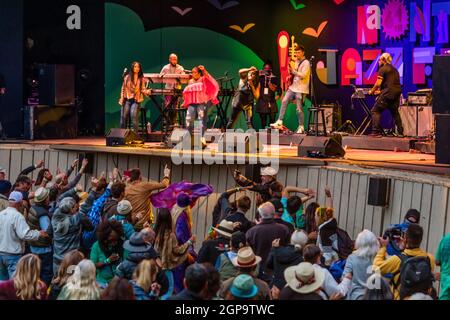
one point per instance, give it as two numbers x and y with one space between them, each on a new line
415 273
345 244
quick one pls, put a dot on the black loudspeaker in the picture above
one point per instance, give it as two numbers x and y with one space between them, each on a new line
121 137
379 190
56 84
90 166
313 146
240 142
49 122
442 138
441 84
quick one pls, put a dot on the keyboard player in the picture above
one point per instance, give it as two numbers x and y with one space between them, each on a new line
389 89
171 101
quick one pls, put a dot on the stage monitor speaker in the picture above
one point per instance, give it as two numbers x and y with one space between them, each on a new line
379 190
313 146
90 166
442 138
441 84
56 84
240 142
121 137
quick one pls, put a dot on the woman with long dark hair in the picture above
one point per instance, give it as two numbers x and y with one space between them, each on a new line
246 95
310 222
134 88
166 243
107 252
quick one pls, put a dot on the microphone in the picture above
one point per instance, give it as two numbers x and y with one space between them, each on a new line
125 71
312 58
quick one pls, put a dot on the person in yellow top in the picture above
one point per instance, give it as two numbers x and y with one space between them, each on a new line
392 265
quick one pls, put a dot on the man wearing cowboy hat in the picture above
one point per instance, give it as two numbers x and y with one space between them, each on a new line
389 89
268 179
247 263
213 248
303 282
39 218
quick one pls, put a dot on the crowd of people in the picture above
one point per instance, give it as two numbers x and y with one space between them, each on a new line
129 239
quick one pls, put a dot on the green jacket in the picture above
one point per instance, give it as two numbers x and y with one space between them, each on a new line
106 273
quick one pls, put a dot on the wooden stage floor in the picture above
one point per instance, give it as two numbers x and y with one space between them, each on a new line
410 161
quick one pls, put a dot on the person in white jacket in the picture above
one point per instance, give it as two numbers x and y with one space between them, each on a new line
14 231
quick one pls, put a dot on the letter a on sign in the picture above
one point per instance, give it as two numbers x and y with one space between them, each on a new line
74 20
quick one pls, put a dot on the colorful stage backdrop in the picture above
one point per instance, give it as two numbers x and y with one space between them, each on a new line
346 38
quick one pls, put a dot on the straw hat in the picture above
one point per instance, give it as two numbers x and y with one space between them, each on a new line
268 171
41 194
225 228
304 278
246 258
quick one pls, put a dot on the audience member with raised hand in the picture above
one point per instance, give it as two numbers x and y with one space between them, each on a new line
95 213
25 283
107 252
138 193
68 225
293 205
66 269
81 285
117 195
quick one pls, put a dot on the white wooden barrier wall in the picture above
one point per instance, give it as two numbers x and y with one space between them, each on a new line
427 193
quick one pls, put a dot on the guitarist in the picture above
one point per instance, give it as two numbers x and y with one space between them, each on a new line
298 88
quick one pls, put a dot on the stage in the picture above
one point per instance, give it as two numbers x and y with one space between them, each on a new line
408 161
415 180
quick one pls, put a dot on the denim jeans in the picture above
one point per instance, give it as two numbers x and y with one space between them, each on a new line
8 265
300 99
46 267
132 107
196 112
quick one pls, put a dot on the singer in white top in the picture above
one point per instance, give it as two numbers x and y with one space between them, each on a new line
298 90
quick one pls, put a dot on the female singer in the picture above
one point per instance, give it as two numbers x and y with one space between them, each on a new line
132 95
247 93
201 90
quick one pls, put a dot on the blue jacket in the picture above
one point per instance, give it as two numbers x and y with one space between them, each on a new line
128 229
140 294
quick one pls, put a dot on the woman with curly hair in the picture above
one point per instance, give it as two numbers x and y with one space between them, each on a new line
107 252
81 285
66 269
25 284
327 234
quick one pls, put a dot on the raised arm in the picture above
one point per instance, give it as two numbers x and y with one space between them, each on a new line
289 189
